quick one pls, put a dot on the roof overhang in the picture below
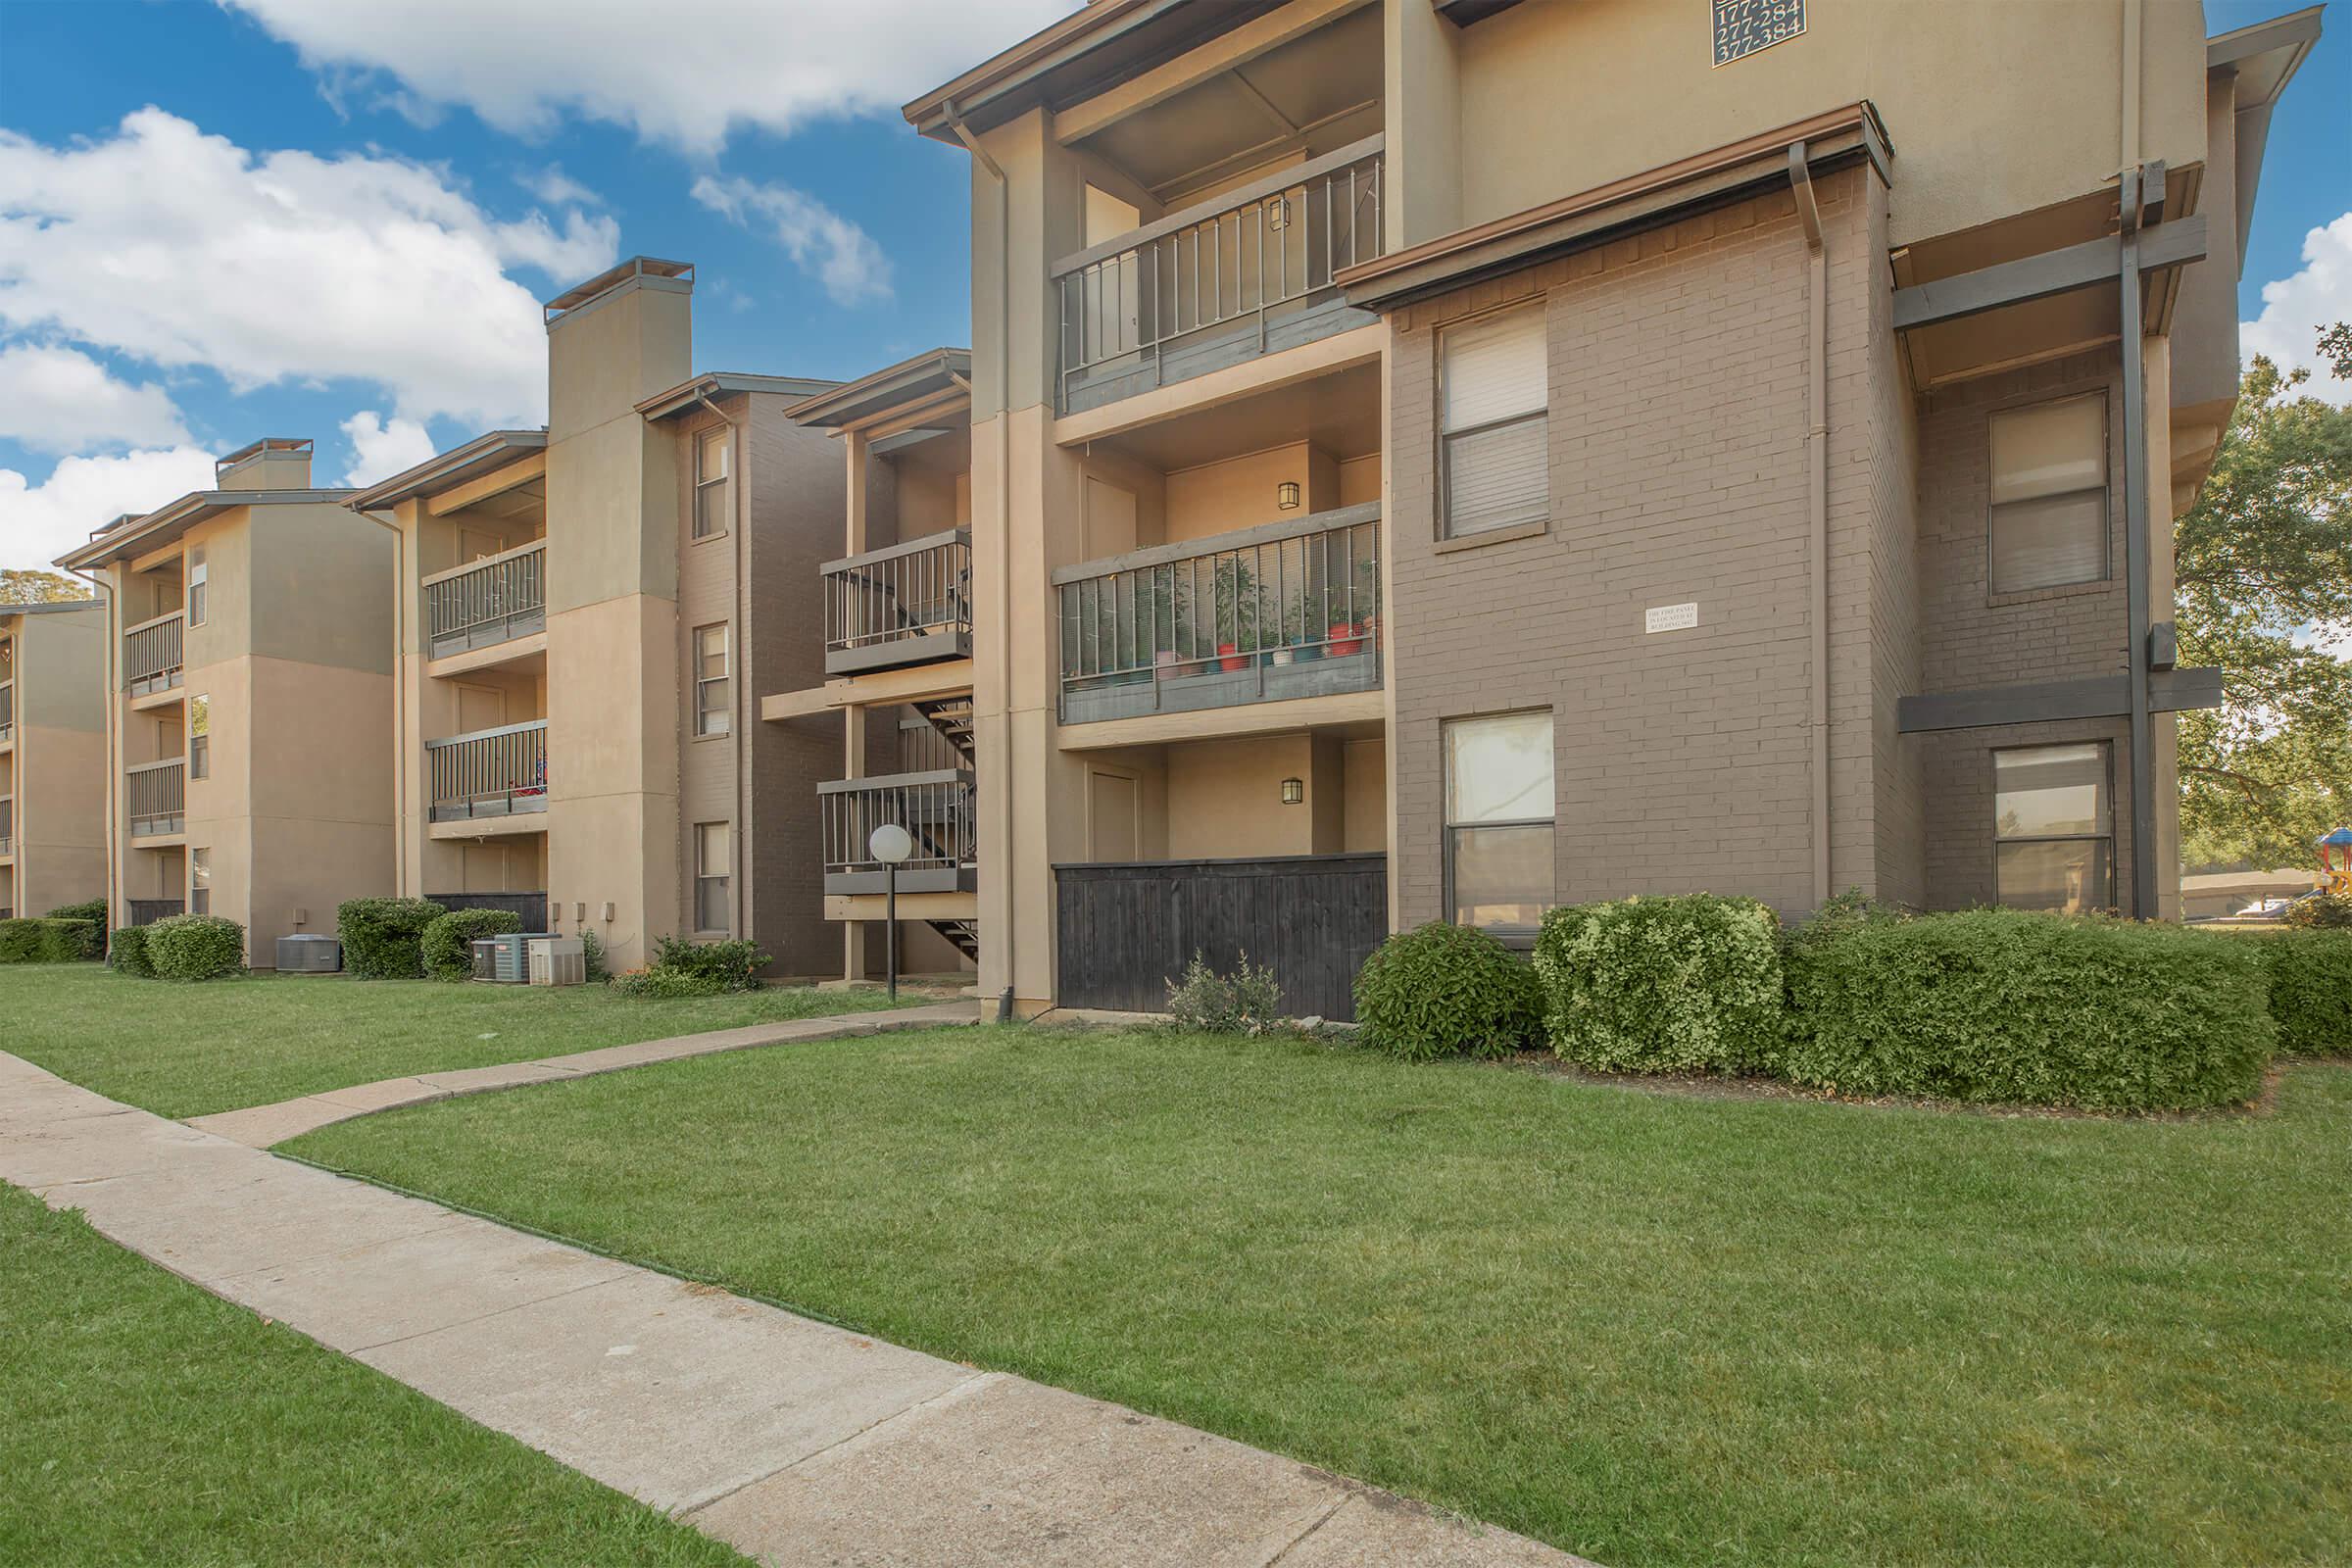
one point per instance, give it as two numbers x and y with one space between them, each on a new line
1075 58
927 377
451 468
140 536
689 394
50 607
1842 139
2264 58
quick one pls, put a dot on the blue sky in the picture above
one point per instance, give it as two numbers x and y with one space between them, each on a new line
330 219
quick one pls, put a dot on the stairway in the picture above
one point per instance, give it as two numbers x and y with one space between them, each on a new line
951 716
965 934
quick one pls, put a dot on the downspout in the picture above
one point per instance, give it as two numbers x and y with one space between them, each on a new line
104 590
1001 803
1817 504
2133 200
400 700
739 683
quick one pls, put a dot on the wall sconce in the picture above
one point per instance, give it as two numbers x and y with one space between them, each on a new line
1287 497
1293 791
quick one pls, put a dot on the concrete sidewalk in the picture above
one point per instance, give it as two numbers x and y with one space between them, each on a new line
797 1442
260 1126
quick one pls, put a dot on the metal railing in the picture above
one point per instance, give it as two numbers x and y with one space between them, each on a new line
1233 257
487 602
8 712
1287 610
528 908
146 911
935 808
158 798
151 655
492 773
8 824
904 604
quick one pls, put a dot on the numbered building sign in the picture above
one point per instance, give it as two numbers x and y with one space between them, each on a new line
1743 27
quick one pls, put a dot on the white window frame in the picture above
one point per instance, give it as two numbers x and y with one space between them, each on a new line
2105 490
200 736
709 883
199 880
200 591
1453 829
719 438
714 720
1536 315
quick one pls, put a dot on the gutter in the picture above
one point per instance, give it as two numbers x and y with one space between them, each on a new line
1000 803
1817 504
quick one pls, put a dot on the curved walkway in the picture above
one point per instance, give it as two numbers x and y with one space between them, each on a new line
795 1441
260 1126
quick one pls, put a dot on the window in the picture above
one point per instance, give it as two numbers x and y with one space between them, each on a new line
713 494
2048 522
1495 447
1499 820
200 881
711 701
197 585
713 876
200 737
2053 828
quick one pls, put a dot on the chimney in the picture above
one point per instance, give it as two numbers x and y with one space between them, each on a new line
274 463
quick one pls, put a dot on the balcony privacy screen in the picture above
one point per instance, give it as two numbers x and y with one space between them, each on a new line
1496 423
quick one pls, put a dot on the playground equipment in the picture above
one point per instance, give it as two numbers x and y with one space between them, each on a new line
2335 862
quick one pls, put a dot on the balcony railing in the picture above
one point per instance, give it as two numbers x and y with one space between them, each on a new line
146 911
151 655
908 603
487 602
8 825
158 802
491 772
1244 273
935 808
1288 609
8 712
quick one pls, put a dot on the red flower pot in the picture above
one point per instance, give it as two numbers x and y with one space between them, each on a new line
1346 637
1231 657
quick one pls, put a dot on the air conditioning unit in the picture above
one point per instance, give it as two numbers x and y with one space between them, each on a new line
485 957
511 964
308 955
559 961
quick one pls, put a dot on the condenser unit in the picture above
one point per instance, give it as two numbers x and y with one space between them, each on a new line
485 957
308 955
559 961
510 964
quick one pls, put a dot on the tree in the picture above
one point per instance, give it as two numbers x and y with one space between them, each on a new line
2264 565
25 587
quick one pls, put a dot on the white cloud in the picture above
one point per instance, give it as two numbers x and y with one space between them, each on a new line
181 249
56 399
819 240
686 79
39 522
382 448
2294 309
556 188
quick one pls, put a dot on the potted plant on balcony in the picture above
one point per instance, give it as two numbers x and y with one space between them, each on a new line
1235 613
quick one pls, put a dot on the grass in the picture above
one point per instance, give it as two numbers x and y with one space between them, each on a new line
1650 1328
191 1050
150 1422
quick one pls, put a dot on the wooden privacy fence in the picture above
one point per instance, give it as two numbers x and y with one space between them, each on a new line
1123 931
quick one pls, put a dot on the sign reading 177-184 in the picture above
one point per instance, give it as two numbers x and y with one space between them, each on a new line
1743 27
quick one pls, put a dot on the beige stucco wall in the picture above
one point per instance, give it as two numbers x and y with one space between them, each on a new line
56 769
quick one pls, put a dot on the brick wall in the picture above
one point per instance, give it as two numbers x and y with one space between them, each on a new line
1960 800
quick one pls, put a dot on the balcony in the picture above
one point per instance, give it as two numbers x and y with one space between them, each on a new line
906 604
1241 275
1284 610
7 714
490 773
486 602
158 798
151 655
8 827
935 808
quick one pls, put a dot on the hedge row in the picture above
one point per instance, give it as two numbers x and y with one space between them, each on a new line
50 940
184 947
1993 1005
446 944
383 938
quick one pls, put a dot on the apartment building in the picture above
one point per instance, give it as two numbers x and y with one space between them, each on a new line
584 615
52 755
1441 458
247 687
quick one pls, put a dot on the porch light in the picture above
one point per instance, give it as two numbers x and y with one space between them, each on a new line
1293 791
1287 497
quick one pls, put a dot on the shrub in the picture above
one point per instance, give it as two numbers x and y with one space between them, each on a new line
1247 1002
1445 990
383 938
48 941
2311 990
735 966
669 985
1682 983
592 954
127 952
2007 1005
447 941
196 947
90 909
2321 911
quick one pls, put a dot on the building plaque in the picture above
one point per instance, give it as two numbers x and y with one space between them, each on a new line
1670 617
1743 27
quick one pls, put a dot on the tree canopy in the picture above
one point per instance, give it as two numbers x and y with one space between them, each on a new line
26 587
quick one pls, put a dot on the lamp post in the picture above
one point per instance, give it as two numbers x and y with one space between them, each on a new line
891 844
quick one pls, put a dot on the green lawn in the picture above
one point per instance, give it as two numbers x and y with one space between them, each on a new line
190 1049
149 1422
1648 1327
